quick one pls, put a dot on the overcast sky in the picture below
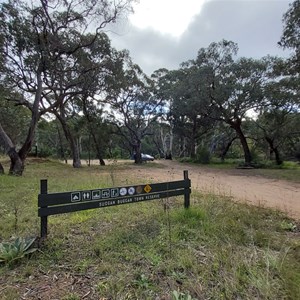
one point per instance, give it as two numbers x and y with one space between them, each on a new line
165 33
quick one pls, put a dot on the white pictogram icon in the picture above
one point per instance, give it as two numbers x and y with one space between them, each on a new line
75 197
106 193
86 195
114 192
123 191
96 194
131 190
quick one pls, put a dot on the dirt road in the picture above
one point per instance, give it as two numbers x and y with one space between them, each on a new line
239 184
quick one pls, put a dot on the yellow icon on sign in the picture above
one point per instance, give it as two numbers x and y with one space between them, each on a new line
147 188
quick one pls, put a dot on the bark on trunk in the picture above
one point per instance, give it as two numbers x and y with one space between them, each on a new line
17 159
16 163
192 147
226 149
72 141
75 154
1 169
62 151
98 148
182 147
274 150
279 161
167 142
93 134
237 127
138 154
35 116
193 140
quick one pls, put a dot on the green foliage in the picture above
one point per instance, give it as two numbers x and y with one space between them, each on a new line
291 33
203 155
181 296
186 160
16 130
142 282
12 251
297 151
288 225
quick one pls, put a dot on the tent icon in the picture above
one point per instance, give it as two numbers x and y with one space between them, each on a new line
75 197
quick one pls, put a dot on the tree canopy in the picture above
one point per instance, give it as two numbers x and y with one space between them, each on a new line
59 74
42 45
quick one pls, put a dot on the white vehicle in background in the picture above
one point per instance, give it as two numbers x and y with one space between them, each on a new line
147 157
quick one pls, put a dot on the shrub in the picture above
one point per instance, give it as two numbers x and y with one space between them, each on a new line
10 252
203 155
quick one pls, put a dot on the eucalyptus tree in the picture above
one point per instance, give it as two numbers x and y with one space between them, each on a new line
221 139
279 128
278 122
183 92
214 87
76 84
35 40
291 35
104 64
134 106
20 116
12 133
163 137
233 87
188 108
97 127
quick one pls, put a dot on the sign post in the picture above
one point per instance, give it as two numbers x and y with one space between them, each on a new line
187 192
58 203
44 219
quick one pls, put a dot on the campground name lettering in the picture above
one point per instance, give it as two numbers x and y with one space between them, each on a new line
129 200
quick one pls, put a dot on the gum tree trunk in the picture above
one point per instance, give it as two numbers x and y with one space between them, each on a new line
72 142
17 158
138 154
16 163
236 125
1 169
274 150
226 149
93 134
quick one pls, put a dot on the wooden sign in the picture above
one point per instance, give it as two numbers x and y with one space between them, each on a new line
58 203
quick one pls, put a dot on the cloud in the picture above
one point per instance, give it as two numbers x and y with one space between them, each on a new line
149 48
255 25
152 14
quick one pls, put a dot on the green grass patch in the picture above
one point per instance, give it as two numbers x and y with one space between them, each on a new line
217 249
289 171
282 174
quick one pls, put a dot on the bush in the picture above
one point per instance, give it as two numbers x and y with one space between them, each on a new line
297 152
202 155
185 160
44 152
10 252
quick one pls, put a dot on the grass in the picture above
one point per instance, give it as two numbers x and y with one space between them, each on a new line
289 171
282 174
217 249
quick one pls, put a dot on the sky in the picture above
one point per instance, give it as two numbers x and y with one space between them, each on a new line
165 33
